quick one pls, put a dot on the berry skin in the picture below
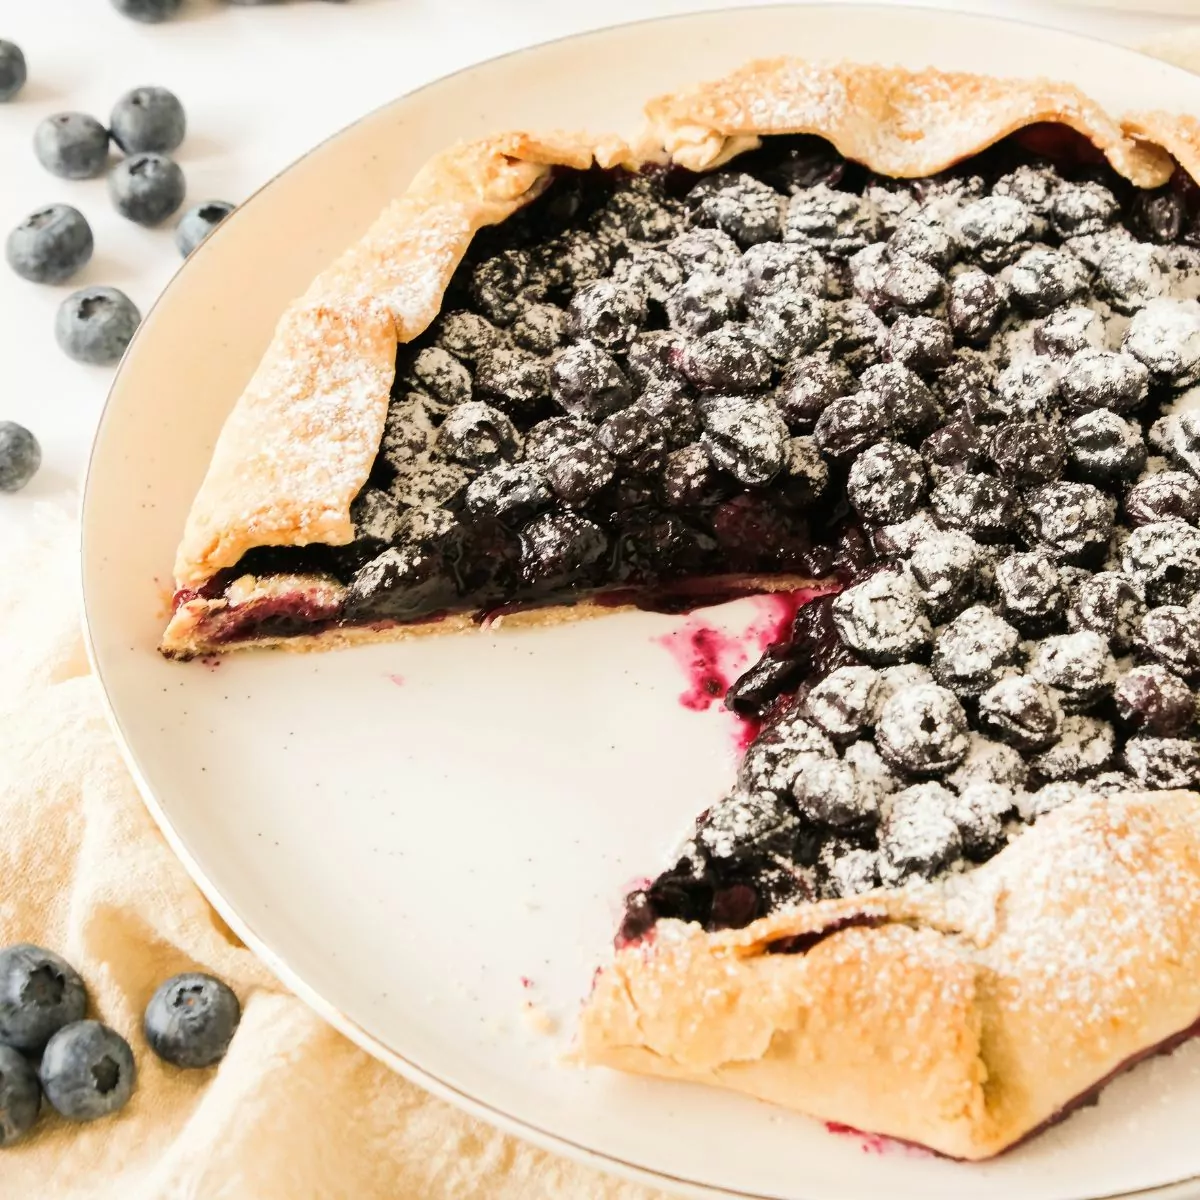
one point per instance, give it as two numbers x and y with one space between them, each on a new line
607 314
467 335
994 230
146 188
809 387
948 569
50 245
1104 379
148 11
191 1019
477 435
198 222
586 382
72 145
1068 331
1154 701
148 119
922 344
94 325
20 1096
13 72
1165 337
1164 496
20 456
577 473
39 994
87 1071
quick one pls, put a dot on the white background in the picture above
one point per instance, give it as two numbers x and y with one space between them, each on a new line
261 85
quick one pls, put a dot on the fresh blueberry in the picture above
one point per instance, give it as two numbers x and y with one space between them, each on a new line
148 11
87 1071
94 325
191 1020
146 188
12 70
20 1096
198 222
39 994
148 118
72 145
20 456
50 245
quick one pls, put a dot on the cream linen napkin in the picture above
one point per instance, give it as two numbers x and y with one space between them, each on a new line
295 1111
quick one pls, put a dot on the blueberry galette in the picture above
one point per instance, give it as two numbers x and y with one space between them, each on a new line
931 341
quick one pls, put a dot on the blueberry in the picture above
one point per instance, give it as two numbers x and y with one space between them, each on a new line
788 326
560 548
1171 634
587 382
149 11
87 1071
856 334
634 436
467 335
502 284
510 493
910 405
578 473
1082 208
1068 331
39 994
884 618
12 70
960 447
1104 379
747 209
1104 448
851 423
918 837
673 412
20 456
779 269
1086 746
1177 435
1132 274
922 344
1154 701
514 380
776 756
1073 521
828 791
399 584
746 437
191 1019
975 308
148 119
72 145
95 324
146 188
1043 279
996 230
846 702
840 223
689 477
50 245
198 222
1164 560
1021 711
926 237
545 439
730 358
1159 215
1031 591
1165 337
984 507
948 569
1028 453
1164 496
477 435
1079 665
661 545
810 385
1164 762
1029 390
20 1096
700 304
607 314
700 250
376 516
886 483
970 653
540 329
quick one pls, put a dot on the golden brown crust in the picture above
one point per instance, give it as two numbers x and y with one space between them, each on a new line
1177 134
967 1015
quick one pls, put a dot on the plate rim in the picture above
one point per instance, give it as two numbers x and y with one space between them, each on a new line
290 978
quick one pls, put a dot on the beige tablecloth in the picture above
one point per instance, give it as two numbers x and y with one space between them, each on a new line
295 1112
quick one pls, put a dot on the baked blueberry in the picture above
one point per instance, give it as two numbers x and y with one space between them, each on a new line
578 473
976 306
1158 215
745 826
87 1071
429 527
401 583
689 477
846 869
971 652
439 375
1022 711
925 236
20 1092
805 474
856 336
586 382
866 271
1072 521
1163 559
540 329
634 436
1153 701
910 284
772 269
808 388
1132 274
844 704
148 118
1177 435
545 439
960 447
729 358
777 755
989 762
503 284
839 223
429 484
13 71
1031 592
1082 208
985 508
39 994
886 483
1104 448
72 145
563 263
95 324
558 548
980 812
652 274
653 357
1171 635
744 436
607 314
1079 666
50 244
1104 379
146 188
409 429
747 209
700 304
1165 337
948 568
477 435
884 618
1164 762
1108 604
376 516
1029 389
1162 497
1028 453
1044 279
514 380
788 325
191 1019
198 222
922 344
994 230
1068 331
829 792
511 493
20 456
1084 747
917 836
467 335
705 249
910 405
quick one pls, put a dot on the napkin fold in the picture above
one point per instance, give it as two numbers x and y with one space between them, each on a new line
294 1111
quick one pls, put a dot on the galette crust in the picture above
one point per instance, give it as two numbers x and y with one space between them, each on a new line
961 1015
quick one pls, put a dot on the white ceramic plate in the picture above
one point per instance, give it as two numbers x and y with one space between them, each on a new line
407 832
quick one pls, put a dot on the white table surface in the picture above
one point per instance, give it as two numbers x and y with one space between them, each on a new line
262 85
